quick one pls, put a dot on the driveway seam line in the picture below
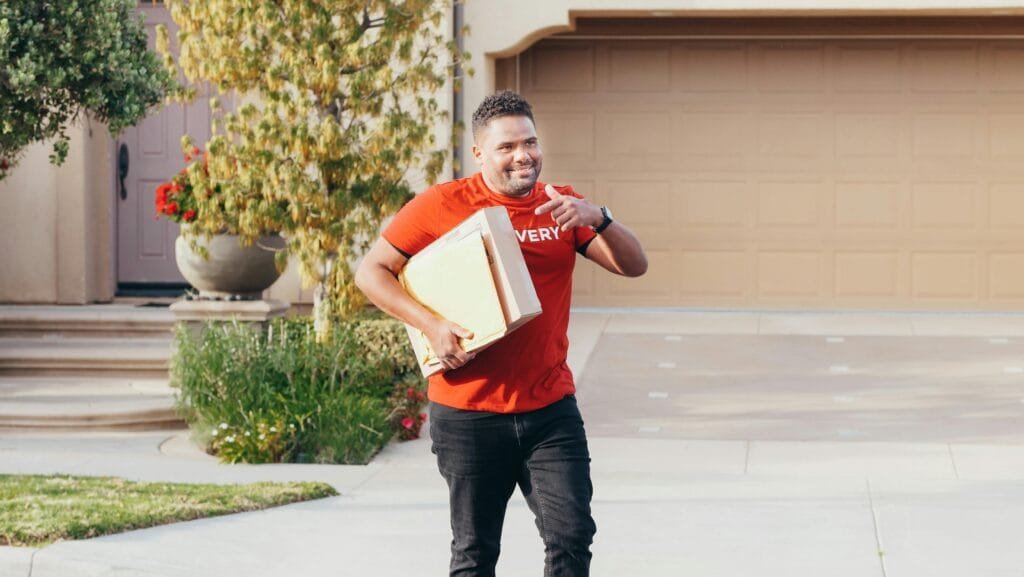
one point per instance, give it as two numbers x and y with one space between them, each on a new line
878 531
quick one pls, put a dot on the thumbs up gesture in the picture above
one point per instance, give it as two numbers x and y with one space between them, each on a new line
569 211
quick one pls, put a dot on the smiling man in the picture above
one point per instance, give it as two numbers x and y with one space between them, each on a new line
507 416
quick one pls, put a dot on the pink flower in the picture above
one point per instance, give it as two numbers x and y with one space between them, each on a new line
408 422
423 417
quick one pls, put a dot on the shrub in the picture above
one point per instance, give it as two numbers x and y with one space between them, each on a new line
63 60
280 396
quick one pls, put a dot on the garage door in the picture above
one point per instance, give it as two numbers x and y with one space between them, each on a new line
870 174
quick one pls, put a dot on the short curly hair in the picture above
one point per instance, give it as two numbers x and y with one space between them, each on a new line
504 103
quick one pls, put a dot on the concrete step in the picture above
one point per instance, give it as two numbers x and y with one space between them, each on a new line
121 320
77 403
56 355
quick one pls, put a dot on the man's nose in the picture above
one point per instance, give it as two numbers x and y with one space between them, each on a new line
522 155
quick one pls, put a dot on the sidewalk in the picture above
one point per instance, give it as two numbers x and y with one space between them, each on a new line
723 444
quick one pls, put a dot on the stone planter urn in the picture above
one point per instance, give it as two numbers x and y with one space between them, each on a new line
231 271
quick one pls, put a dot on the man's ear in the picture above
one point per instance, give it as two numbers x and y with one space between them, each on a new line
477 153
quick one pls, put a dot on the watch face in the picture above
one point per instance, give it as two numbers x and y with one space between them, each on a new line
607 212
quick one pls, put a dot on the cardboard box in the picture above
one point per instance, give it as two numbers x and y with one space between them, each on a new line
474 276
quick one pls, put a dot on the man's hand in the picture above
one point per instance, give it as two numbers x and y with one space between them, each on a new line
444 340
569 211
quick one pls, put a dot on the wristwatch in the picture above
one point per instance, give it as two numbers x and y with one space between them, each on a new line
607 214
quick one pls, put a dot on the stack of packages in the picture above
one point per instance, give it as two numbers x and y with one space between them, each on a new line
474 276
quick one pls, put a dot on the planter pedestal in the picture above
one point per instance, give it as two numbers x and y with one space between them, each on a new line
230 283
196 314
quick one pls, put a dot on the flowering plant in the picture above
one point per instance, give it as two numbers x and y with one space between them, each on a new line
176 198
407 402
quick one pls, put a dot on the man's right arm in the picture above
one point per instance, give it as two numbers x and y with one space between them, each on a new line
377 277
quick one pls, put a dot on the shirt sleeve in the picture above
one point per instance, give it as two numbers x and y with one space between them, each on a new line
412 228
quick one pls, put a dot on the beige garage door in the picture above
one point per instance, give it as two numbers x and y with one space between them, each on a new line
870 174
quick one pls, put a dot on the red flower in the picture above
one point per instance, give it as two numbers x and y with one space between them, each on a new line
423 417
408 422
171 208
189 216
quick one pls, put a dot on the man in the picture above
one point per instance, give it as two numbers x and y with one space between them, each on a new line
507 415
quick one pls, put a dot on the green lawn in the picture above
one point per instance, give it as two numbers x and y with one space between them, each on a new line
37 510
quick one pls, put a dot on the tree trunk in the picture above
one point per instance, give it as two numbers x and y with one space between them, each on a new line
321 301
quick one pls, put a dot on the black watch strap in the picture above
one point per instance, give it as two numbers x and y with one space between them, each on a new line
604 223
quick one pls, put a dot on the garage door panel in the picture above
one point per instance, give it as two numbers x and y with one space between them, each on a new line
636 140
867 67
944 67
941 275
944 134
713 140
660 287
1006 276
646 203
714 68
1004 136
789 274
944 205
867 205
1007 61
560 67
1006 207
719 275
714 204
865 274
860 135
788 141
790 204
796 67
642 69
566 136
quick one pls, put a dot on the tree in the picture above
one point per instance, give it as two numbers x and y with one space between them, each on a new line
60 58
337 107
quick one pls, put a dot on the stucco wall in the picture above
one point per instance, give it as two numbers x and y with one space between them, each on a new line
55 224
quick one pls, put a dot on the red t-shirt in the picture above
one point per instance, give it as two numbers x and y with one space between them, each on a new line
525 370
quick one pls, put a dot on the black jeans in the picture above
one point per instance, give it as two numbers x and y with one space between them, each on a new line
483 456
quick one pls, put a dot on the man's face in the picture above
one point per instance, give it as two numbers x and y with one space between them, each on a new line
509 155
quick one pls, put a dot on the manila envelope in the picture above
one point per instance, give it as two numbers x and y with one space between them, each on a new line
474 276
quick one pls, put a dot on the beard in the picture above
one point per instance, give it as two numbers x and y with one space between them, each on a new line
521 185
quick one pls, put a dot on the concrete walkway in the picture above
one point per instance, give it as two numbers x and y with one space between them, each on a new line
724 444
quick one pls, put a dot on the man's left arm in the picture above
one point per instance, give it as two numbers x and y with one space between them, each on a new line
616 248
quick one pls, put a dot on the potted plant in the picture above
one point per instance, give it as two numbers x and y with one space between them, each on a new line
210 254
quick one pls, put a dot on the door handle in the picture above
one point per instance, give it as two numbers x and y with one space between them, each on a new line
122 169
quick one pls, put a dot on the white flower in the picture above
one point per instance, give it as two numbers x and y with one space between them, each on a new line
247 433
214 432
230 439
291 426
224 426
262 436
273 429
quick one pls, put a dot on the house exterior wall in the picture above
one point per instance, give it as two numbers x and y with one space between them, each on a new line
55 224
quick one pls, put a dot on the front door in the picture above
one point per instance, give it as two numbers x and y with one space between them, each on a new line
145 244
